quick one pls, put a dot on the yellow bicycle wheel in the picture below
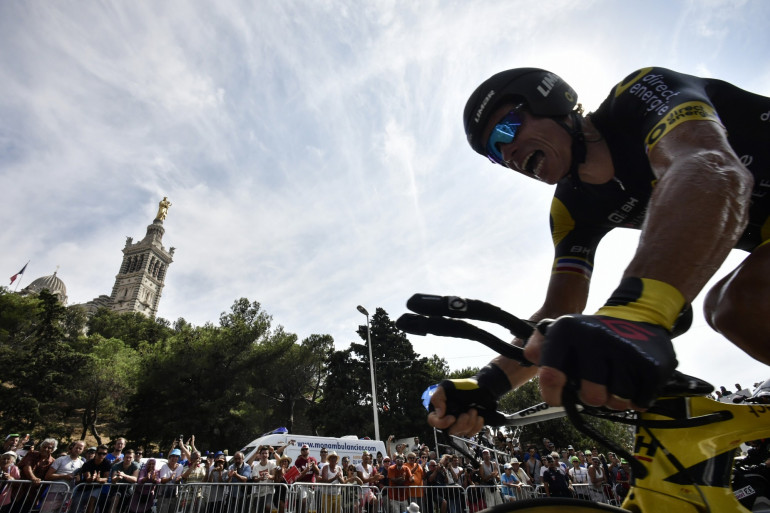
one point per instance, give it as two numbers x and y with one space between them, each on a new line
554 505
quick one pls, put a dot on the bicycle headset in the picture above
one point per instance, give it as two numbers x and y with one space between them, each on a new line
543 94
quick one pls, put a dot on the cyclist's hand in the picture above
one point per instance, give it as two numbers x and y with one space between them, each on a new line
618 363
463 419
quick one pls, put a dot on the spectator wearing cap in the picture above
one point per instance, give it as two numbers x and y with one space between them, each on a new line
489 473
519 472
399 478
331 473
510 484
8 472
217 475
579 477
281 484
623 479
554 481
11 442
308 472
170 477
89 454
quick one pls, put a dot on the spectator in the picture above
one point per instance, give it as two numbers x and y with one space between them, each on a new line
262 473
622 479
170 478
217 475
324 454
370 478
308 471
399 477
64 468
193 474
579 476
34 467
415 494
143 498
238 473
434 496
451 484
90 453
532 467
597 478
383 470
554 481
280 491
96 472
123 475
519 472
456 469
331 473
117 451
562 466
8 472
511 486
489 472
473 493
11 442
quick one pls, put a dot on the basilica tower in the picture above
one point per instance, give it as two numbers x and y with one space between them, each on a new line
139 282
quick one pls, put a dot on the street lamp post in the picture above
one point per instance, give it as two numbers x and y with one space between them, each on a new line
371 370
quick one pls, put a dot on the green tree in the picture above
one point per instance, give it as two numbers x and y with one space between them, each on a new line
105 382
298 377
39 364
209 380
401 376
132 328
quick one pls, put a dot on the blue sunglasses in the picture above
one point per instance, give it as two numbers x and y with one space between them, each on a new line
504 132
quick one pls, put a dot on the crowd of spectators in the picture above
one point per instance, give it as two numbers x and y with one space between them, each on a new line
408 478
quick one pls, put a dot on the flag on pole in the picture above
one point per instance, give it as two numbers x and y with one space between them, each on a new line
13 278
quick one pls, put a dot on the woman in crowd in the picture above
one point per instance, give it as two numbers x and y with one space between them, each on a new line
143 498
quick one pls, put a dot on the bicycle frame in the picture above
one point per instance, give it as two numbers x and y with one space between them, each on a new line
684 445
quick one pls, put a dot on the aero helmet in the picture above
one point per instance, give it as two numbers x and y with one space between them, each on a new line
543 93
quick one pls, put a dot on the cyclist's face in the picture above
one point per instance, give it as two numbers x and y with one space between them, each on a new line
540 150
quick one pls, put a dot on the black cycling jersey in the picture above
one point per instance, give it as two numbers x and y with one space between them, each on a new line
638 112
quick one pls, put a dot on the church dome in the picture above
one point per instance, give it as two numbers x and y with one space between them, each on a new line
53 283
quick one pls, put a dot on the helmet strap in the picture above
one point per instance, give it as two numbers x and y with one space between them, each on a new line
578 146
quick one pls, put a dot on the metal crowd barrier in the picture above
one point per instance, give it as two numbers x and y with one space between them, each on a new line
201 497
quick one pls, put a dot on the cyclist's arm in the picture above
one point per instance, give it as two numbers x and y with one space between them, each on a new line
690 229
696 214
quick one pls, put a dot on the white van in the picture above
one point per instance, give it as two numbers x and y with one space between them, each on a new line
349 446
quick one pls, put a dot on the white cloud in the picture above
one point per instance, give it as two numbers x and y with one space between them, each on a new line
313 151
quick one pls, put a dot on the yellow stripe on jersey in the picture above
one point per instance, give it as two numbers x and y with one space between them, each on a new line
466 384
622 86
561 220
688 111
659 303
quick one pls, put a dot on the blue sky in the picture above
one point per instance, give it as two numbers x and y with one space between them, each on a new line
313 151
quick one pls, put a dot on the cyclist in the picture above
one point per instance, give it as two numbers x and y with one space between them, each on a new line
685 159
